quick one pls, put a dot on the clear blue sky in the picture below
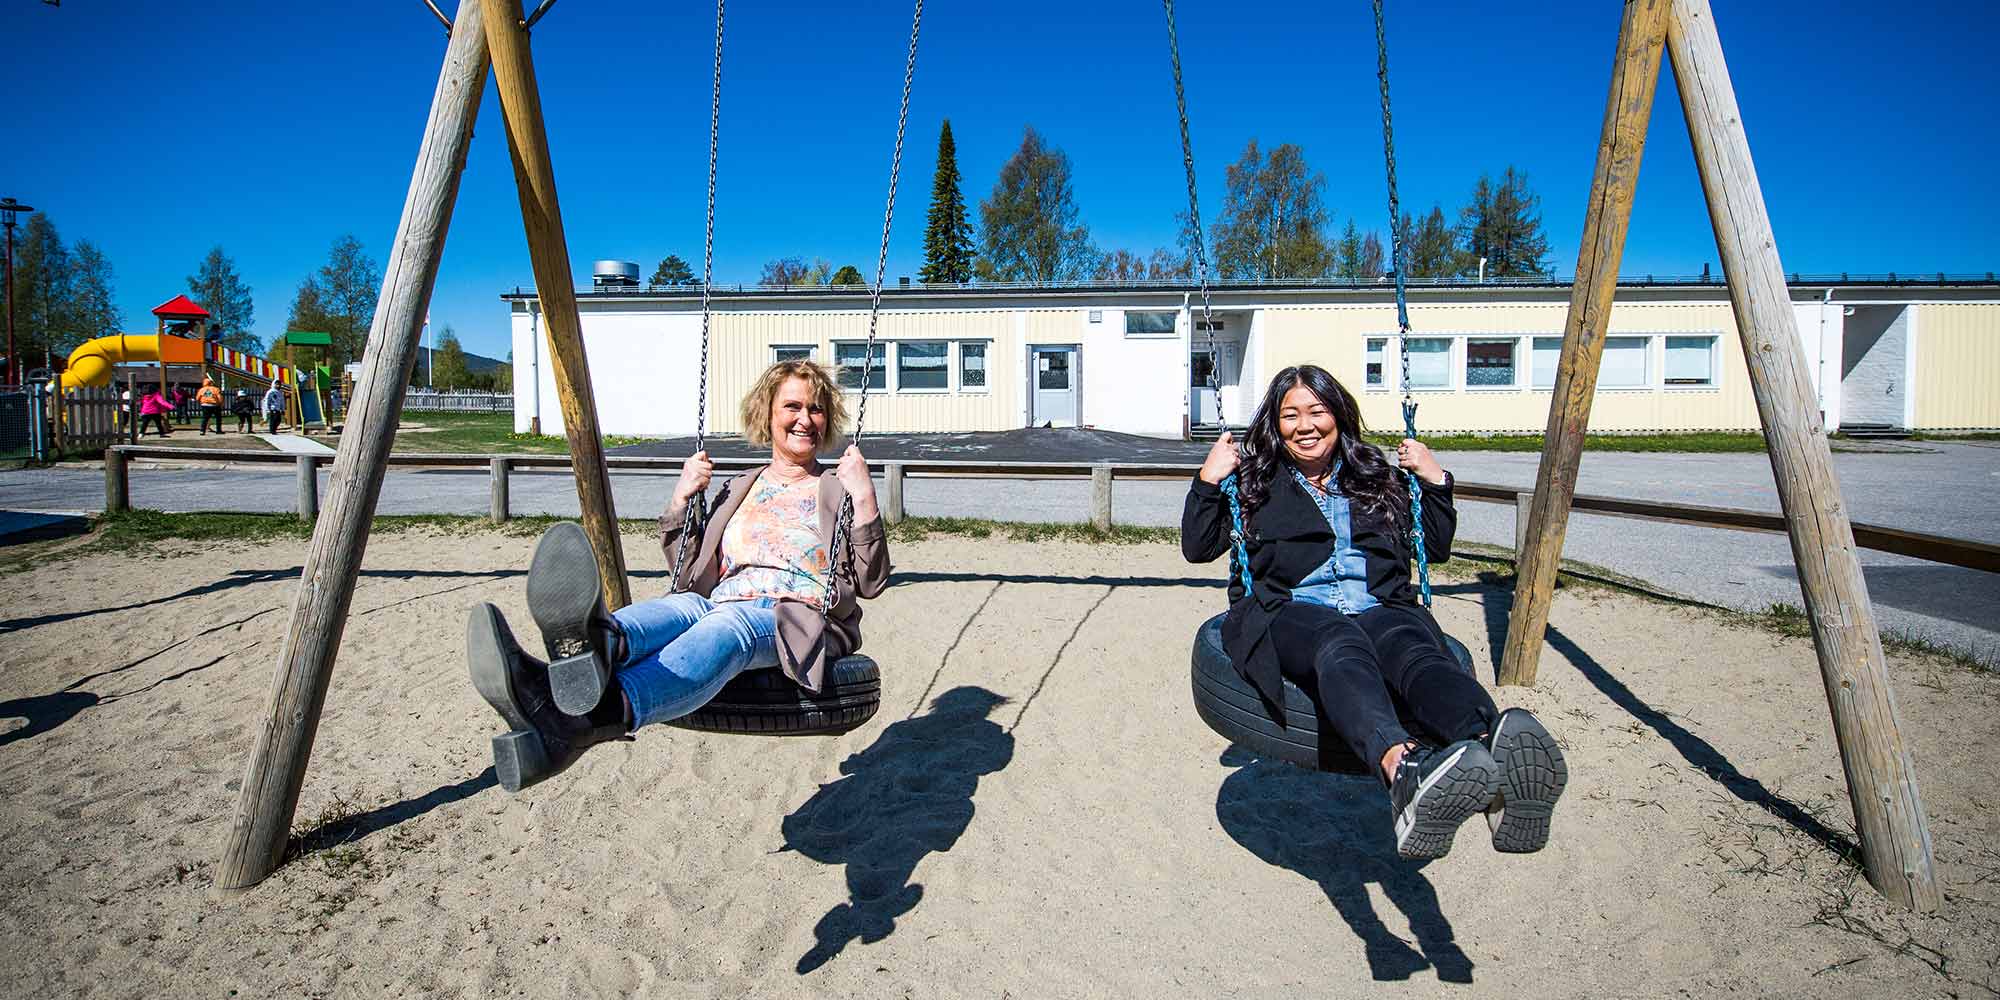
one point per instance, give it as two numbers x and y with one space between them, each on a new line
158 130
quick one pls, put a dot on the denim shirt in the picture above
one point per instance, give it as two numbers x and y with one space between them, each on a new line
1341 582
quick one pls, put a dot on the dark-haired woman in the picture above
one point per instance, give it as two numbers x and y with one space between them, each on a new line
1331 608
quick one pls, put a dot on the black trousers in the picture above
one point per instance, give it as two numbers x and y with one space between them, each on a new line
1364 667
243 422
273 416
211 413
158 420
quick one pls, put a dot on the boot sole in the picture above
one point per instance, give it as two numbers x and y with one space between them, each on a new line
1426 827
563 588
519 756
1532 777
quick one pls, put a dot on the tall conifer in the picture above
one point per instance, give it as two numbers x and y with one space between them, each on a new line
948 238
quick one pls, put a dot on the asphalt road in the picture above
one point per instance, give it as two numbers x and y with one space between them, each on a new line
1949 489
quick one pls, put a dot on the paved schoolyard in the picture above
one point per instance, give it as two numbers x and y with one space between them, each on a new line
1949 489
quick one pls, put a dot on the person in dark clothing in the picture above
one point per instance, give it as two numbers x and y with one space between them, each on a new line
209 398
274 405
1326 530
245 409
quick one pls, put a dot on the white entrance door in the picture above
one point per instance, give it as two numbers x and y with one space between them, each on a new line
1052 383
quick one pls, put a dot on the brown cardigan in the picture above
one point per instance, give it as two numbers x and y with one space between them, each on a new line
805 646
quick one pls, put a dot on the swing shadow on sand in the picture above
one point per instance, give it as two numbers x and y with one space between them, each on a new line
906 796
1334 829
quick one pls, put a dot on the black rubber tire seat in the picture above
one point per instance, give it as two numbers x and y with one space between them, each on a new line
1233 709
765 702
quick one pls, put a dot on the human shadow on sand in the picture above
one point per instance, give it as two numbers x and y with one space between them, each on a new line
1496 595
907 795
1334 829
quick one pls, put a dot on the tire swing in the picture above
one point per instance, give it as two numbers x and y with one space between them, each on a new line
1222 698
765 701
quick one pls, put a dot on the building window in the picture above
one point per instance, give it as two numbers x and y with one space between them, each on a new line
1489 362
1547 354
1149 324
923 366
1210 325
1624 364
793 352
1691 361
972 366
848 359
1430 362
1371 361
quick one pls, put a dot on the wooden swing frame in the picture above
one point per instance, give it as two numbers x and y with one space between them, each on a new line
493 34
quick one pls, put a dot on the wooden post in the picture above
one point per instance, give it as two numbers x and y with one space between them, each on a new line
117 485
541 216
892 493
1888 812
1635 72
308 487
1524 515
499 473
277 765
1100 497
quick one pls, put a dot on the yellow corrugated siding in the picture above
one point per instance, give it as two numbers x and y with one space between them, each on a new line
1334 338
742 342
1957 381
1055 326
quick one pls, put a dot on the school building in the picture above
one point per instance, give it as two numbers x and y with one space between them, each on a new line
1884 353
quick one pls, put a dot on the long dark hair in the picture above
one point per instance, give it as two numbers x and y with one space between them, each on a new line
1366 478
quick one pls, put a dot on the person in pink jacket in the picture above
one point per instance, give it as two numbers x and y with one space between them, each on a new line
155 406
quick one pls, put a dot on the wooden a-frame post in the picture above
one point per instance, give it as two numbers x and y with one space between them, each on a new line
270 794
548 250
1881 782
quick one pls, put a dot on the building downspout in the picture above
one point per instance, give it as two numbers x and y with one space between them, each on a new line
1819 361
535 367
1187 370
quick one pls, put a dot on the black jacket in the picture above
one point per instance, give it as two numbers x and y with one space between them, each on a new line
1287 538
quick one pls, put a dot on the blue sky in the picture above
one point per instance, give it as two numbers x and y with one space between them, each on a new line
158 130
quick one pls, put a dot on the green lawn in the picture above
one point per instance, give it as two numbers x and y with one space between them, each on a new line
480 433
1702 441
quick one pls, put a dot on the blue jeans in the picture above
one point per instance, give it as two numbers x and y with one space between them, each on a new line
682 648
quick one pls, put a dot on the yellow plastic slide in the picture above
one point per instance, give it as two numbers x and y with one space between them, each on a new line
90 365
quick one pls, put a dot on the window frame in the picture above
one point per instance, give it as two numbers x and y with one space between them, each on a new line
882 365
1173 326
1648 380
958 366
1382 386
1714 362
1465 366
812 351
1453 361
947 387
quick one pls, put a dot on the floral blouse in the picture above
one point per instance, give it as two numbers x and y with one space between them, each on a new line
771 546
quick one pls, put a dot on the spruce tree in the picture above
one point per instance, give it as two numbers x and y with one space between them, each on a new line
1504 225
216 287
672 271
1347 254
948 237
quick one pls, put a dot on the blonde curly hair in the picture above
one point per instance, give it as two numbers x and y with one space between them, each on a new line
758 401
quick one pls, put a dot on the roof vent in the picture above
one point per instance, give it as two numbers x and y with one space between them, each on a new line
607 274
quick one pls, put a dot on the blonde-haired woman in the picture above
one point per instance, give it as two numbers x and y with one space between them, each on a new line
752 595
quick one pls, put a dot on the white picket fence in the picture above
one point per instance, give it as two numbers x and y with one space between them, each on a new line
458 402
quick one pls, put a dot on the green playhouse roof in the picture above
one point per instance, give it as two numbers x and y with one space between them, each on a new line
301 338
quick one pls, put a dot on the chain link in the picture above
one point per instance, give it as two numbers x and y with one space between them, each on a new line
1194 203
845 525
1402 303
696 513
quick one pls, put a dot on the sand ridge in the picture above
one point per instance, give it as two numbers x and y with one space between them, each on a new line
1036 810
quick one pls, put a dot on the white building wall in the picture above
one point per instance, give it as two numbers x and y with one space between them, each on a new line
1129 381
644 372
1875 363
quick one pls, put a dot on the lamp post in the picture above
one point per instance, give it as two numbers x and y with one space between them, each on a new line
8 207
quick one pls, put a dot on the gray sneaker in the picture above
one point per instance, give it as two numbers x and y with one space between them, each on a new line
1436 790
1532 776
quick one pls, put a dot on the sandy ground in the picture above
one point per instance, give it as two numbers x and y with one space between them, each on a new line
1036 811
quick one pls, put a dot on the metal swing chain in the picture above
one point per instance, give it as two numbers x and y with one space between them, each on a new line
696 512
1402 305
845 525
1239 553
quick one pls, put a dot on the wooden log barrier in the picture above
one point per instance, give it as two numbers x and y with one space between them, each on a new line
498 470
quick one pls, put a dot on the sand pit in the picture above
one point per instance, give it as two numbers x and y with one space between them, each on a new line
1037 811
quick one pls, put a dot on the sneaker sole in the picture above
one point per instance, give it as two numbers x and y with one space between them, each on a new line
1532 776
563 588
520 752
1463 786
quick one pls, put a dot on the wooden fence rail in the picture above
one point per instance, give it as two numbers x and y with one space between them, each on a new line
1914 544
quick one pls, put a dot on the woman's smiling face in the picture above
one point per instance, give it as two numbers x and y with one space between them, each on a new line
1307 427
798 422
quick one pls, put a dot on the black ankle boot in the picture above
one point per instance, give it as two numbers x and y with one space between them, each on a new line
565 595
541 740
